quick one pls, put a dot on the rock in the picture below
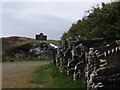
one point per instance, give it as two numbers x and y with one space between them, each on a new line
20 54
42 50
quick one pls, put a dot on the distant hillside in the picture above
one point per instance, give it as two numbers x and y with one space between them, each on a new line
13 41
8 42
23 47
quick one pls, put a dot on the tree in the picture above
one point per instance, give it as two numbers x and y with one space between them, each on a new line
100 23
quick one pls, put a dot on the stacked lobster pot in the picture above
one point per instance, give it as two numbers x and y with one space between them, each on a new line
59 59
104 67
91 60
70 58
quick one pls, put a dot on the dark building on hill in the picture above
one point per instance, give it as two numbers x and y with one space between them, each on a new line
41 36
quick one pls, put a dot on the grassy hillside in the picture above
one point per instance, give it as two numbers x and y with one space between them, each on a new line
11 45
54 41
8 42
49 41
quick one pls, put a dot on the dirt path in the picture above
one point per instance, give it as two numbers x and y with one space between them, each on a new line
18 75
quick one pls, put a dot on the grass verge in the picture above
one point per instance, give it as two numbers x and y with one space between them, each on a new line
50 77
24 59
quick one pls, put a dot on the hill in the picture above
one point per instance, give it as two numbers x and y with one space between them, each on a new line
8 42
14 44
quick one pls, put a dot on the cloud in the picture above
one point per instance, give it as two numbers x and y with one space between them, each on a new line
56 0
51 18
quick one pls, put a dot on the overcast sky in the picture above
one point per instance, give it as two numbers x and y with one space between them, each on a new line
51 18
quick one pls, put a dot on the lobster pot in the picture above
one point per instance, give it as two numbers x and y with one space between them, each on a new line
94 61
105 72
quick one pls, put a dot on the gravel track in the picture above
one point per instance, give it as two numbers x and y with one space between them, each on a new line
18 74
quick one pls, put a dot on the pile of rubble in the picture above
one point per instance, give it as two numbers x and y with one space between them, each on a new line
42 50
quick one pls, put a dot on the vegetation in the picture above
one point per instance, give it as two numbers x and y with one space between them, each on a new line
23 59
54 41
52 78
9 42
11 51
23 48
11 45
50 41
100 23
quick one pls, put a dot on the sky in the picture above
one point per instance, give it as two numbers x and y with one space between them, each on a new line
26 19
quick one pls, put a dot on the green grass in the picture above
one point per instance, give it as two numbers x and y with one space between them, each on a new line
53 41
24 59
49 41
54 78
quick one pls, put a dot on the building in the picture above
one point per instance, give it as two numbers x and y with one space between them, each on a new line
41 36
